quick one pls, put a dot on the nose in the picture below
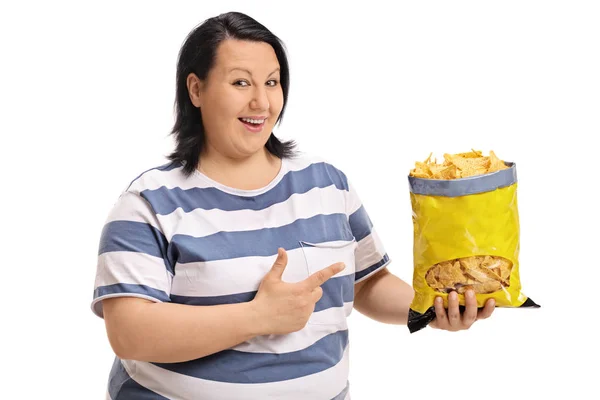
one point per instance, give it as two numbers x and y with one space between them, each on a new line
260 100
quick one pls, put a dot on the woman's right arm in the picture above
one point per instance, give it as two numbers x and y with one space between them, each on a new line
143 330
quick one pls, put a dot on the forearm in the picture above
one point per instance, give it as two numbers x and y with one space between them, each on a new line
385 298
168 332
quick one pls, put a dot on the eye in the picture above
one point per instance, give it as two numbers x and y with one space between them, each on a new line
241 83
272 83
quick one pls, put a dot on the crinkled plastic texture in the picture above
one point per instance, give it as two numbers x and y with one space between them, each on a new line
457 223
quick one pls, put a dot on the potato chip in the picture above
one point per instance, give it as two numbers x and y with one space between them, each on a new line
448 274
448 172
471 172
490 286
471 154
495 163
422 170
505 269
431 279
489 262
456 166
464 288
469 263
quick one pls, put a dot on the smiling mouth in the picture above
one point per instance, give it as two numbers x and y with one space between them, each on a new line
252 126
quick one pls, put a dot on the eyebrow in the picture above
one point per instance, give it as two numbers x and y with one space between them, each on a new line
250 73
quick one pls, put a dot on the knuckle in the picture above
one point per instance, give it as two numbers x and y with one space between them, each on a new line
303 304
276 266
301 320
303 323
441 325
318 295
321 276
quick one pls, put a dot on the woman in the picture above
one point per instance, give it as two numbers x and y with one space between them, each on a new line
229 272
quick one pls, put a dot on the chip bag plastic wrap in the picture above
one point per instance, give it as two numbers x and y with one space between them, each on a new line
466 233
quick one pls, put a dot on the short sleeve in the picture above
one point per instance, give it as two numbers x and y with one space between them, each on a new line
132 256
370 254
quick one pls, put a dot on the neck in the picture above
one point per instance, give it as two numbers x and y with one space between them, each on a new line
248 173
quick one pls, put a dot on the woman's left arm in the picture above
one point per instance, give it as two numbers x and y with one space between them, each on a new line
384 297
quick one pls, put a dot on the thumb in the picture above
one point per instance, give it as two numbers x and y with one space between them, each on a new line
279 265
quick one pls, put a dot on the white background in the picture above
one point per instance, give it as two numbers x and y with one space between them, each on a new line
87 95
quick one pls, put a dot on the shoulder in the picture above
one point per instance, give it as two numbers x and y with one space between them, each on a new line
166 175
317 167
306 160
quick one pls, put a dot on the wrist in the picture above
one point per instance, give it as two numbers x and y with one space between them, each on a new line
257 321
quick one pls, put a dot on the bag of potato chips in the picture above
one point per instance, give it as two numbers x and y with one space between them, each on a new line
466 233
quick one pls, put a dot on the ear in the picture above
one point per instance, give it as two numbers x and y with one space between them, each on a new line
195 86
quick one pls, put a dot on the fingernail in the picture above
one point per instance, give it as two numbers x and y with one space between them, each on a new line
470 294
438 300
341 266
453 295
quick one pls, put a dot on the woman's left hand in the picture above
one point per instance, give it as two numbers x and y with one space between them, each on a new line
452 320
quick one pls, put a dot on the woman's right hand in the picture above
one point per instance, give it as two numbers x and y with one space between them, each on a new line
286 307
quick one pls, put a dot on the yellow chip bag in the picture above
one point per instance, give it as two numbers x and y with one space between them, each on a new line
466 233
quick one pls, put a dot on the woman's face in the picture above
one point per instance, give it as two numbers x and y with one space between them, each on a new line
241 98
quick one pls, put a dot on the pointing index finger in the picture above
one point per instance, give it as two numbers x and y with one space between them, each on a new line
322 276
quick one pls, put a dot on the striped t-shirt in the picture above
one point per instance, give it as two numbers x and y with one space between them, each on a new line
195 241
